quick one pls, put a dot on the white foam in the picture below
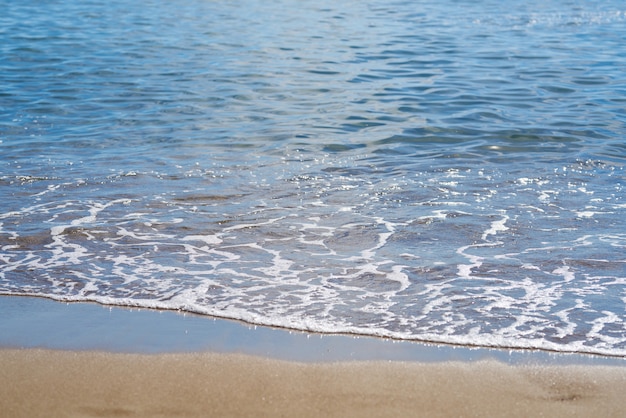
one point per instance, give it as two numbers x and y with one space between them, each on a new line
207 239
566 272
496 226
366 260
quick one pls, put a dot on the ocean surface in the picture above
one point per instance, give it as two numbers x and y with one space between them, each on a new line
443 171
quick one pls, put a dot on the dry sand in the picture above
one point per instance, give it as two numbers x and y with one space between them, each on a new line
46 383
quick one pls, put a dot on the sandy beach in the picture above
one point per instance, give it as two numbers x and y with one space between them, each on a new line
37 383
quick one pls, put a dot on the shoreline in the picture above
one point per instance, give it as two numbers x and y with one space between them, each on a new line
88 360
37 322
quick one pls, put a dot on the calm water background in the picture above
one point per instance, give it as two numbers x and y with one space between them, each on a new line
448 171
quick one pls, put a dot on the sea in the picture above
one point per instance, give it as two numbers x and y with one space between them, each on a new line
445 171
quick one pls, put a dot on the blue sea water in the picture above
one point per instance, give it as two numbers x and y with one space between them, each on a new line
444 171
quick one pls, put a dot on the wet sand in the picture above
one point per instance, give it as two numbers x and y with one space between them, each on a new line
32 322
38 383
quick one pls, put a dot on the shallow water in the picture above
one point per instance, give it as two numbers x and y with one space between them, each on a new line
441 171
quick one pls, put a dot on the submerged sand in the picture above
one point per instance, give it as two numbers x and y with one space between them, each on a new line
38 383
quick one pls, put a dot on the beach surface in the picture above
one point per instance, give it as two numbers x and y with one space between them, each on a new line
37 383
88 360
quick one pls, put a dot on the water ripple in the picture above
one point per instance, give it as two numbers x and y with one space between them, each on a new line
449 173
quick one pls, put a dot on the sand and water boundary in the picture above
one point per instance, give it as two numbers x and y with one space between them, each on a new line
83 359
